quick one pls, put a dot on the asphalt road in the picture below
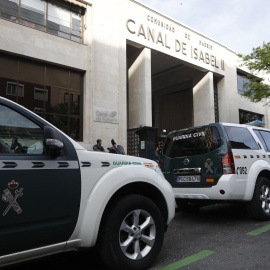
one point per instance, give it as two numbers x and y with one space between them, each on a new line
215 238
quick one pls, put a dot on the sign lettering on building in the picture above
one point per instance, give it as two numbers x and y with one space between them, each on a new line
160 38
105 116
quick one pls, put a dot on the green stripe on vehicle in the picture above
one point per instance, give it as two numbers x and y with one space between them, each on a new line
260 230
188 260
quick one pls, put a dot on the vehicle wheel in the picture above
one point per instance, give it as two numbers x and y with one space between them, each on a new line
187 206
259 207
131 233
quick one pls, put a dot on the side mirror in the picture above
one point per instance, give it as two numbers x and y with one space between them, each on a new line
53 141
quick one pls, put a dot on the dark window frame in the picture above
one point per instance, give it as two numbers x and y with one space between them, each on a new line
250 116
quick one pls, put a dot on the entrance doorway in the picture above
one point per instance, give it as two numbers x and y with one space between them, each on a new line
169 82
172 92
173 111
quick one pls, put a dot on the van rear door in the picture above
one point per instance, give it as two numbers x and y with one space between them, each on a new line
193 157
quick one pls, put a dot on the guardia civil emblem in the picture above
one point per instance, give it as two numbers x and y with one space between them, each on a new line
186 161
208 165
11 199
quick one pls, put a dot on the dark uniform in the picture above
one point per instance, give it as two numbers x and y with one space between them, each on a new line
98 148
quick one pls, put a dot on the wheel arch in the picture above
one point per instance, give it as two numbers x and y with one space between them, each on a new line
259 168
119 182
264 173
258 207
141 188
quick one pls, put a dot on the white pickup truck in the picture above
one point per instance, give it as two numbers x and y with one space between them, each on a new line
57 196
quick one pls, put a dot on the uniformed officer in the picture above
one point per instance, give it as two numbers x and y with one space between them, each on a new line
116 149
98 147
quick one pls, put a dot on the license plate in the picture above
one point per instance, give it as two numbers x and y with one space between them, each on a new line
189 178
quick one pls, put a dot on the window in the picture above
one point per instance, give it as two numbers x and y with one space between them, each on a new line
266 138
58 21
195 141
58 100
14 89
64 21
76 26
33 13
66 98
247 117
19 135
9 9
241 80
257 132
41 94
241 138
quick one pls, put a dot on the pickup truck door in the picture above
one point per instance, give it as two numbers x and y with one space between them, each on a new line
40 193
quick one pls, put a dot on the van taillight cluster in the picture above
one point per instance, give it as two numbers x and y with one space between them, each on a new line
160 164
228 164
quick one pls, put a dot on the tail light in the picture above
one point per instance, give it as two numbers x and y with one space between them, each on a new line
160 164
228 164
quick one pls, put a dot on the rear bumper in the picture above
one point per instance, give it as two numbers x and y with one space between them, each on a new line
232 187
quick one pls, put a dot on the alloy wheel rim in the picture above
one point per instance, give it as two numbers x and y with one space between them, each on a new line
137 234
265 198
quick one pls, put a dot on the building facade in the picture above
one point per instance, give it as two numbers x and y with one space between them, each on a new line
103 69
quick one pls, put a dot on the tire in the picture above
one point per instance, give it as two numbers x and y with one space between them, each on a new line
259 207
187 206
122 242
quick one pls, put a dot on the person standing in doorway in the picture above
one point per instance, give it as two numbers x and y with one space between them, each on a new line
98 147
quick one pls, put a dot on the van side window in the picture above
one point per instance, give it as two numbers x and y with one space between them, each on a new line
259 135
19 135
241 138
266 138
190 142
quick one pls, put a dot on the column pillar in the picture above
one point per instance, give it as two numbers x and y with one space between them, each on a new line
140 91
203 101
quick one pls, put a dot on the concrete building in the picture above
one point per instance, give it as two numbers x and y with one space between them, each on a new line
102 69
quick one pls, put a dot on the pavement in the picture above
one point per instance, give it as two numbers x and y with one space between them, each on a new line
218 237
